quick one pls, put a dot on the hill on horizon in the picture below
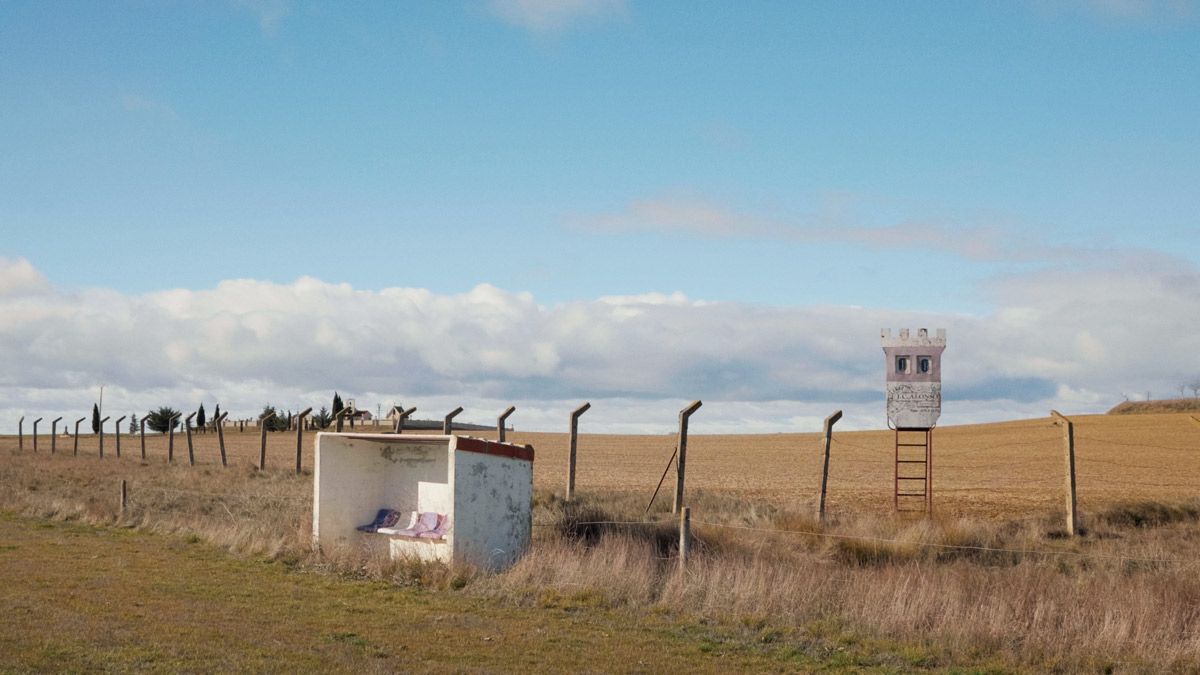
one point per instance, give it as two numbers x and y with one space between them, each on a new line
1170 405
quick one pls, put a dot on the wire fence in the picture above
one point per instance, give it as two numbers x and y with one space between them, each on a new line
891 541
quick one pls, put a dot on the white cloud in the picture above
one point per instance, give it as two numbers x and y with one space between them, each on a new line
1073 341
269 13
20 277
681 214
1122 11
548 16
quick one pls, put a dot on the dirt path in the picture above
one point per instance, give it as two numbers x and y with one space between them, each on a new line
78 598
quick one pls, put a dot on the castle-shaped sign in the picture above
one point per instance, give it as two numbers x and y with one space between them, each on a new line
914 377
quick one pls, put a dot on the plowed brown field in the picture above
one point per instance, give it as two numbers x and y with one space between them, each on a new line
1010 468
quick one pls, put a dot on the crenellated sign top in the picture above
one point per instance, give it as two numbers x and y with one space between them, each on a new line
914 377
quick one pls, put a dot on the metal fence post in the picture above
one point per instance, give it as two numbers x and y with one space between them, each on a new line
500 422
829 422
448 421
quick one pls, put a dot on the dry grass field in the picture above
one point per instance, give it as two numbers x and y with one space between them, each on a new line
990 581
999 470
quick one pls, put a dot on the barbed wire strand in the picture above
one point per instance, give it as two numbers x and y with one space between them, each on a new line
224 495
1136 445
884 540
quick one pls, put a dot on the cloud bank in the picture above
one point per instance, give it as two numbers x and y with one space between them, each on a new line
1076 341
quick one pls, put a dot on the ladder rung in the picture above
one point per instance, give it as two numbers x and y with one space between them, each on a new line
913 445
911 478
911 461
910 494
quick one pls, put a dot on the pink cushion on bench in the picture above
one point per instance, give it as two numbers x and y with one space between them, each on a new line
425 525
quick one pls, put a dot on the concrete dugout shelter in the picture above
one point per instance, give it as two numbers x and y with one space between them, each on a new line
481 490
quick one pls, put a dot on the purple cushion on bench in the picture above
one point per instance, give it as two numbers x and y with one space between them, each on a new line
384 518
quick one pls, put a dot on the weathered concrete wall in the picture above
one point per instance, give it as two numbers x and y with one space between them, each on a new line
356 475
914 393
493 507
485 488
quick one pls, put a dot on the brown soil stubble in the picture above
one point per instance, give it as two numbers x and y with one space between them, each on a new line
1008 469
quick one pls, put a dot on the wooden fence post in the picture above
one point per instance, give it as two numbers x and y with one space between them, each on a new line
220 422
76 437
102 437
171 437
117 434
448 421
21 434
35 423
54 434
338 419
187 428
142 427
573 441
500 422
681 460
300 436
262 448
1069 449
829 422
124 496
685 536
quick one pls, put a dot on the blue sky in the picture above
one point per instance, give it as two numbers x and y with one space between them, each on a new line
779 154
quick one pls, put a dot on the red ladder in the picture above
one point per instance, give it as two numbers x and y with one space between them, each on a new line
914 470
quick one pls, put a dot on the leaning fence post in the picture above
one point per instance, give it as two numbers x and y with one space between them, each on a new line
76 437
300 435
1069 450
262 448
404 415
21 434
102 437
118 434
685 535
35 423
54 434
337 418
681 462
220 422
448 421
142 427
829 422
573 442
187 427
500 422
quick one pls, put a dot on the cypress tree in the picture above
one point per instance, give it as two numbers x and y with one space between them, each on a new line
95 418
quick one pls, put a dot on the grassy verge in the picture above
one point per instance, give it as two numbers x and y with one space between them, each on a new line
892 592
81 598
